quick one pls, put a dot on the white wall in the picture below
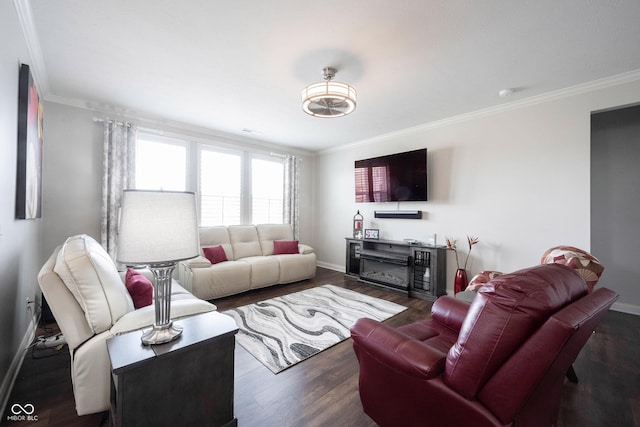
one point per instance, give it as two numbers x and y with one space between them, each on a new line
72 175
615 202
20 240
516 178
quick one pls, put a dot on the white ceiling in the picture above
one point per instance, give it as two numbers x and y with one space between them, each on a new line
241 64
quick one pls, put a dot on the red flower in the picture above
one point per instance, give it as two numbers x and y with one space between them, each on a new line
472 241
451 245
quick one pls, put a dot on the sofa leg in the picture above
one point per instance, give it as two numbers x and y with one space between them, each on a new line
571 375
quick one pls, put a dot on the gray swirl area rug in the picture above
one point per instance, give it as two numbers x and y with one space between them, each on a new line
283 331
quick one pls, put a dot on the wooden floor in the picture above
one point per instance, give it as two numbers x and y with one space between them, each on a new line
323 390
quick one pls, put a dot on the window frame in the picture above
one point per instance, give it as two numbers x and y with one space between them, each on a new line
200 147
270 158
246 175
193 158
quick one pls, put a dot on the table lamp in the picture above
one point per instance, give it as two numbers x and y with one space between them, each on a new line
158 229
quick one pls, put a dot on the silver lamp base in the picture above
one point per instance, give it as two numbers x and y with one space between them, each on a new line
161 334
163 329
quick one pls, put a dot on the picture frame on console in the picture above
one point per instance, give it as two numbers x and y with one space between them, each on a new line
372 233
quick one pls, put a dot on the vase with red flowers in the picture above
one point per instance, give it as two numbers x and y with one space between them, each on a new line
460 280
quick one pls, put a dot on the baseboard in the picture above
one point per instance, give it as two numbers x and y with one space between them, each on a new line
10 378
626 308
334 267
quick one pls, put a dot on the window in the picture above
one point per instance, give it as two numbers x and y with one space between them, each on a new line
161 164
240 188
372 184
233 186
267 191
220 188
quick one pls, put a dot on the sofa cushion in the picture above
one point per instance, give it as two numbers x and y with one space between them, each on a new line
66 310
92 277
215 254
220 280
265 270
296 267
268 233
285 247
216 235
139 287
244 241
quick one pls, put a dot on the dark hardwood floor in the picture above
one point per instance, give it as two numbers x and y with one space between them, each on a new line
323 390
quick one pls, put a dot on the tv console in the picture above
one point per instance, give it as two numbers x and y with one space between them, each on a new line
415 268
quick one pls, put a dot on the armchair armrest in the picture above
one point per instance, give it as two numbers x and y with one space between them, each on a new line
304 249
145 317
450 312
185 270
197 262
397 350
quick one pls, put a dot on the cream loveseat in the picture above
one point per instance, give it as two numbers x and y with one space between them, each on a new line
90 303
250 260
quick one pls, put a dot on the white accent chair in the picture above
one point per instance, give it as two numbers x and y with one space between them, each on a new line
90 302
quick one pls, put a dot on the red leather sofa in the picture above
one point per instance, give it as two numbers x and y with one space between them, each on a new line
499 361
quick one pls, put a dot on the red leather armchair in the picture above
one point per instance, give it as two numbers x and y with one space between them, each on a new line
500 361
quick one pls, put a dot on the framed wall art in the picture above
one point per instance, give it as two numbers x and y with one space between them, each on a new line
30 143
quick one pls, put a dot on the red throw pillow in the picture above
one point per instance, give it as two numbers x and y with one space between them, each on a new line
285 247
139 287
215 254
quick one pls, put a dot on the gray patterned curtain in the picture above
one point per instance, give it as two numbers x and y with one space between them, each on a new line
291 214
118 173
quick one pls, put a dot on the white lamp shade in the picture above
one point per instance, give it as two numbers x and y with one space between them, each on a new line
157 227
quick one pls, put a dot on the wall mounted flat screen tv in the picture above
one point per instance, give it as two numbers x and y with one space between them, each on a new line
393 178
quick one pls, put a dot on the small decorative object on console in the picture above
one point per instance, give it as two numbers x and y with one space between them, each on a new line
371 233
358 222
451 245
460 280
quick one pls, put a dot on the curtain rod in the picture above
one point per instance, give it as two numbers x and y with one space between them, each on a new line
108 120
184 137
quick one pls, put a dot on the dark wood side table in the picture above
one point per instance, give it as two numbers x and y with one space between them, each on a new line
188 381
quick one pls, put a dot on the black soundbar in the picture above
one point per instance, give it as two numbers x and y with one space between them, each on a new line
398 214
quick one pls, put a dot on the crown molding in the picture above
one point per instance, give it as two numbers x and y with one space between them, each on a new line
39 73
591 86
175 128
38 69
